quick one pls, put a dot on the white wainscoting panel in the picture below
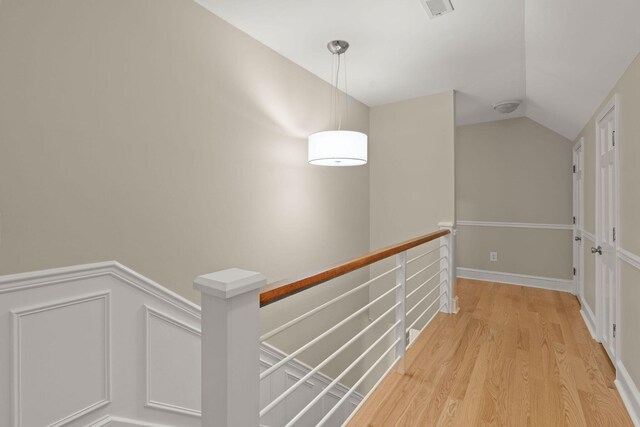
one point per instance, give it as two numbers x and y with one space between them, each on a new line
77 348
517 279
62 345
173 364
625 385
100 345
629 393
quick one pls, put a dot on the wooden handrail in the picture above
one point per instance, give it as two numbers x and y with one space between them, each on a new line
285 288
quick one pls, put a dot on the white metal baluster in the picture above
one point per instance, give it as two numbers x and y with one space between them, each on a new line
452 300
328 388
362 378
293 354
328 359
423 255
401 314
422 270
447 268
423 284
323 306
423 299
426 310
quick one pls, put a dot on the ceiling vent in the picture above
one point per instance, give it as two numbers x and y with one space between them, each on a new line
437 8
506 107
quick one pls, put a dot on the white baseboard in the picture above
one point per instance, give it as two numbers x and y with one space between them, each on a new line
629 393
110 421
517 279
589 319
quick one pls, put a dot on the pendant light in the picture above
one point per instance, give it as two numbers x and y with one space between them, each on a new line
338 147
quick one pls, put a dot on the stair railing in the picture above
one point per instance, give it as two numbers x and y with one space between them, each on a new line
231 301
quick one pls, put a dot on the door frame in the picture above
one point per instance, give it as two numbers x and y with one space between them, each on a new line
578 227
600 320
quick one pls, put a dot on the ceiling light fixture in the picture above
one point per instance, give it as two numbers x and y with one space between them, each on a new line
506 107
338 147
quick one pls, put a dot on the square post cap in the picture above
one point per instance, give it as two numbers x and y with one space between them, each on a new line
229 283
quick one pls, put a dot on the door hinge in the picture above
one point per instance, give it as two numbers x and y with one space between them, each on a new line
614 234
614 330
613 138
574 271
574 168
574 219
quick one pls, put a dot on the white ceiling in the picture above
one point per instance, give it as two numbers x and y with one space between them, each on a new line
561 56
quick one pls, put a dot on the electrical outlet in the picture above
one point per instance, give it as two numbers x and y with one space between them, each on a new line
493 256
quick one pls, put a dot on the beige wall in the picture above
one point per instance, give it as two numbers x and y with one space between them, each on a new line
156 134
628 140
534 252
412 177
514 170
153 133
411 167
411 154
411 171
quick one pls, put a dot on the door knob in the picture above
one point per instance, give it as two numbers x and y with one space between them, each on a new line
577 238
597 250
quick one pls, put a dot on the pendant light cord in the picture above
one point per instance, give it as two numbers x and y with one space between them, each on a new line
332 91
335 103
346 91
338 115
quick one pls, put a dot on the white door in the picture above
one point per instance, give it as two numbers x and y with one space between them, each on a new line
578 159
606 224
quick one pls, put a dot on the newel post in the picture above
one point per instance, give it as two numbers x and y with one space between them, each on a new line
230 352
448 267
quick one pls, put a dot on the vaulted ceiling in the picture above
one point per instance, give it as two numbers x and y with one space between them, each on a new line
561 57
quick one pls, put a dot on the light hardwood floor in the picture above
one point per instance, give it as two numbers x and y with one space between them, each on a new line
513 356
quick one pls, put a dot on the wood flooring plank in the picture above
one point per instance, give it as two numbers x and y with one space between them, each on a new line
519 394
428 403
591 414
468 411
513 356
447 416
573 414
